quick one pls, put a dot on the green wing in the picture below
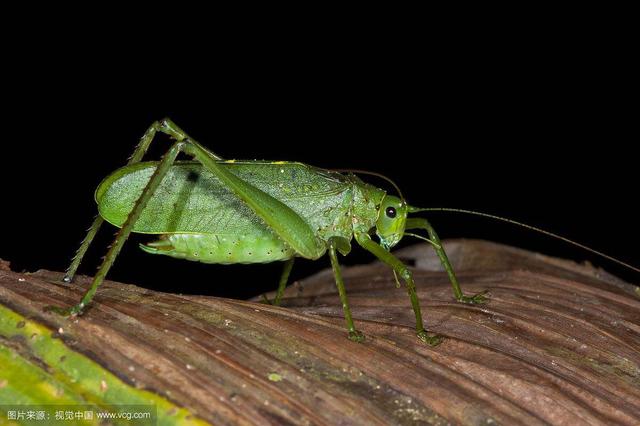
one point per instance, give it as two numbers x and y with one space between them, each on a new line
192 200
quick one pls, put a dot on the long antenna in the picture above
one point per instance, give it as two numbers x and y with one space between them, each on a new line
524 225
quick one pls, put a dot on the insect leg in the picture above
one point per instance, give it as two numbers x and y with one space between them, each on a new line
288 265
137 155
164 126
401 269
354 334
422 223
123 233
170 128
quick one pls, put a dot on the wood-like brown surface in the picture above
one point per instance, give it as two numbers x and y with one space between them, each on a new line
557 343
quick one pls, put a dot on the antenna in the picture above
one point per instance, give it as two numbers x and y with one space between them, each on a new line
524 225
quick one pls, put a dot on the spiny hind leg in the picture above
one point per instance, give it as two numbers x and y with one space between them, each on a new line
165 126
136 157
123 233
422 223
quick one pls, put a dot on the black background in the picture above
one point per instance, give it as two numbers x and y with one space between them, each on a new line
541 131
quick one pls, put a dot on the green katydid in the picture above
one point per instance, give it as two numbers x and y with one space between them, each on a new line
225 211
217 211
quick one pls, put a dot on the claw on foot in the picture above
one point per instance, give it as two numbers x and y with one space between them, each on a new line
274 302
430 338
476 299
356 336
65 312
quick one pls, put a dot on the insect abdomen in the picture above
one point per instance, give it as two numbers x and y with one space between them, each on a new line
219 249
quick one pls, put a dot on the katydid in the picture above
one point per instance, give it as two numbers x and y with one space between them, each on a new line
227 211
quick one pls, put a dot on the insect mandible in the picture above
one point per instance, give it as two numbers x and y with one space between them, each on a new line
226 211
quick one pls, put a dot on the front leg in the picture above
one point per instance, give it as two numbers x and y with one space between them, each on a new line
401 269
421 223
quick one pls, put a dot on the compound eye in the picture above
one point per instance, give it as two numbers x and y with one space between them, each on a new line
391 212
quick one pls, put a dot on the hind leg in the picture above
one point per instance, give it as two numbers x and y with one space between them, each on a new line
165 126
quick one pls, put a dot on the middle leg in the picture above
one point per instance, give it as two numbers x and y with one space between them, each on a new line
354 334
284 278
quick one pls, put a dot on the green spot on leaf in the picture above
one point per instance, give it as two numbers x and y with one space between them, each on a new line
274 377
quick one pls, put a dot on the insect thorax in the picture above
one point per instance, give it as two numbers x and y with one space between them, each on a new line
366 202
